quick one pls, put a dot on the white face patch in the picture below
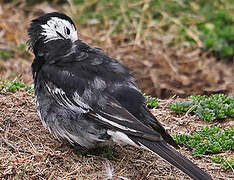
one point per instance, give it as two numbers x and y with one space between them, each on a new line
57 28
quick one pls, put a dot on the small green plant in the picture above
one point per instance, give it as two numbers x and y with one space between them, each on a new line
217 34
5 54
208 140
105 152
182 107
151 102
227 163
208 108
12 86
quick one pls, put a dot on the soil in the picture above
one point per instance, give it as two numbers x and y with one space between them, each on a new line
28 151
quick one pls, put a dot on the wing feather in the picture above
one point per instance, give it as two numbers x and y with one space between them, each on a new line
69 83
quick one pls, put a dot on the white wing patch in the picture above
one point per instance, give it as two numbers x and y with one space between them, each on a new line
79 100
121 138
60 97
81 107
114 123
117 117
56 25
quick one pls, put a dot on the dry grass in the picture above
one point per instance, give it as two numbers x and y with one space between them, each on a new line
28 151
160 71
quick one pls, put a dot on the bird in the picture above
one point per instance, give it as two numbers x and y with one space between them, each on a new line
90 99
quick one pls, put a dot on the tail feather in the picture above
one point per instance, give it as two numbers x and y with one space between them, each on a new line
173 157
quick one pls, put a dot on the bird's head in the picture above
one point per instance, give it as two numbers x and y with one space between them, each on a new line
51 27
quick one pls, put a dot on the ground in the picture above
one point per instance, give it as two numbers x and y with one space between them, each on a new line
28 151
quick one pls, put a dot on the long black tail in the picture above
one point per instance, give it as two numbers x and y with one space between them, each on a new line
173 157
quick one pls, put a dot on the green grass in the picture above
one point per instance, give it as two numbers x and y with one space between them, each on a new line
12 86
208 108
151 102
181 23
227 162
217 34
5 54
19 51
208 140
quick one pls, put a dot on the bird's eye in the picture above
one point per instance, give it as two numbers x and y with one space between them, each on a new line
68 31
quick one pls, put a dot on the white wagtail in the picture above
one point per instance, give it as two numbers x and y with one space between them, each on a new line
89 98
